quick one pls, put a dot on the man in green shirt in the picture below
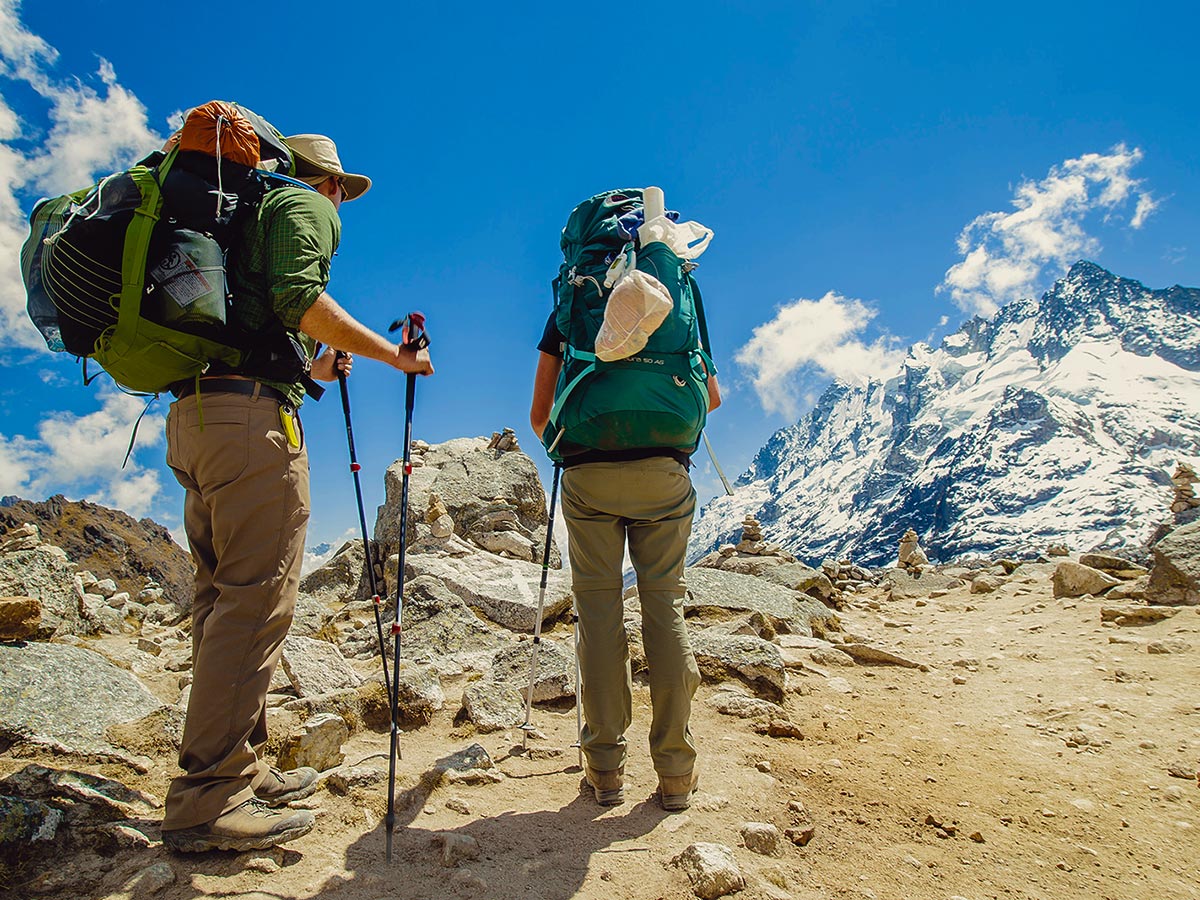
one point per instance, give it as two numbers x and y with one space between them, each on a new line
235 443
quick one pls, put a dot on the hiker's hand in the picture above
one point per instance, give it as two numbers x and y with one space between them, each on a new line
415 362
326 366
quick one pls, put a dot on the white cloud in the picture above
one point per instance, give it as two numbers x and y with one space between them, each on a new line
89 129
819 336
84 454
1006 254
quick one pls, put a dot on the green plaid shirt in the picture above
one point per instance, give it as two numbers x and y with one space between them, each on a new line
283 265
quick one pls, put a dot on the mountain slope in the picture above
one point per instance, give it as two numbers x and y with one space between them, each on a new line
1056 420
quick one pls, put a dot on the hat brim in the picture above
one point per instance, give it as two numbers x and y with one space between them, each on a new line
355 185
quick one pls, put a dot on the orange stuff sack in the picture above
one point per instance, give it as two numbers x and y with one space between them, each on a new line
221 126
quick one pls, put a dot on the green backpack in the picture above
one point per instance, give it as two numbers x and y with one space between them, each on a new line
659 396
131 271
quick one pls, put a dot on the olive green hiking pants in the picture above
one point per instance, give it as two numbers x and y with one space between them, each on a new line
245 512
649 503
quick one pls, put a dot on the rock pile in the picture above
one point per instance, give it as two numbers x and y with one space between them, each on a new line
1185 494
752 555
910 556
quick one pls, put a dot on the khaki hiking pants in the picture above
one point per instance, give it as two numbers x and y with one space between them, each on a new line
245 512
650 503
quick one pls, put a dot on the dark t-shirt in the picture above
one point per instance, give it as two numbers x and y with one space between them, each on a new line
552 343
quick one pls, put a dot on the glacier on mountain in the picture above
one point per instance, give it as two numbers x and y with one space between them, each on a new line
1056 421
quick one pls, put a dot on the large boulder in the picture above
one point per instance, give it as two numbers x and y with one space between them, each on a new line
802 578
749 659
504 591
316 667
44 572
439 630
62 695
1175 574
1072 579
903 585
339 579
469 477
555 677
718 594
20 618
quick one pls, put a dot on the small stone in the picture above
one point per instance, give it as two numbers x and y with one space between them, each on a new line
318 743
456 847
345 779
148 646
151 880
458 805
712 870
761 837
267 865
763 766
1168 645
977 836
1188 773
801 834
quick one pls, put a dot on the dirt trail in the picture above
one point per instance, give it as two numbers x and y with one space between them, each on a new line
1030 762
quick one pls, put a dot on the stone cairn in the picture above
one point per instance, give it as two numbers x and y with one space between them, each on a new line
912 558
1185 494
753 543
437 517
847 576
504 441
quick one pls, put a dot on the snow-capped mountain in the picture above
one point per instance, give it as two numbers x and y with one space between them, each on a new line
1058 420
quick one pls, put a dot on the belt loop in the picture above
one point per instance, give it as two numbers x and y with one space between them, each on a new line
257 391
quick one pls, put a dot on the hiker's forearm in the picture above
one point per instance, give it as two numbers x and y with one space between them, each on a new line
543 392
326 321
714 393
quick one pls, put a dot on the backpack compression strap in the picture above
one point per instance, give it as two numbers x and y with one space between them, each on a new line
133 257
697 362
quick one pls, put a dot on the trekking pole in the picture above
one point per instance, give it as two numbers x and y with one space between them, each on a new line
412 336
578 683
537 625
362 521
717 465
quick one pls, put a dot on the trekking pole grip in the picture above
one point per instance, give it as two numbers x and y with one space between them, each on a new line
412 331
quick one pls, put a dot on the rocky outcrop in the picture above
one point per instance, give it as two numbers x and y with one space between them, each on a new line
64 696
474 482
131 552
504 591
1175 574
715 593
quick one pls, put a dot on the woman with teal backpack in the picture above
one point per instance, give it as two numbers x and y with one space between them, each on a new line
624 430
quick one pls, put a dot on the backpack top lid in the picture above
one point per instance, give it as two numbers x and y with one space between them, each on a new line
232 132
594 221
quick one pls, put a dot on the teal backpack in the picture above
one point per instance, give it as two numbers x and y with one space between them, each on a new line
659 396
130 272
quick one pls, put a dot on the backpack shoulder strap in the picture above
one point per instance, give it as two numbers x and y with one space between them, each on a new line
705 344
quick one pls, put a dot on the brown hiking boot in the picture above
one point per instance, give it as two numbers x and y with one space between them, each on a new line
250 826
675 791
609 787
283 787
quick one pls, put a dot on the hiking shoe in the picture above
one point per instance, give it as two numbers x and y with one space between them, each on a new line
609 787
284 787
250 826
675 791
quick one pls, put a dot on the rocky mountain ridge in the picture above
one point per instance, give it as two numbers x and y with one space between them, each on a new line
131 552
1058 419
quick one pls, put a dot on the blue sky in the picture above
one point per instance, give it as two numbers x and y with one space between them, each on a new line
875 173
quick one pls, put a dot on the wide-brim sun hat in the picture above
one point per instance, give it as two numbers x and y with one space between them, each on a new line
318 152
